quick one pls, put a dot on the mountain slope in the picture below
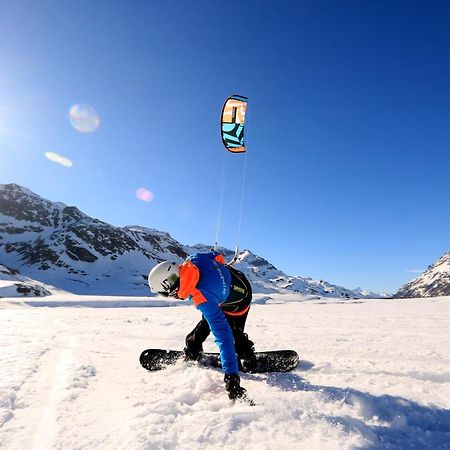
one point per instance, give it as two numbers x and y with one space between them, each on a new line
434 282
266 278
12 284
60 245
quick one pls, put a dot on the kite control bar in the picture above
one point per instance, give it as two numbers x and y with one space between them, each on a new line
235 257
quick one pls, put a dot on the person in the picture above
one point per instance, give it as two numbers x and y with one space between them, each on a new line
223 295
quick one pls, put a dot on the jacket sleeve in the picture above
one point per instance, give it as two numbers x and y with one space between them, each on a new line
223 336
189 276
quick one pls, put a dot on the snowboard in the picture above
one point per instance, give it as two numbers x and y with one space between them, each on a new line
272 361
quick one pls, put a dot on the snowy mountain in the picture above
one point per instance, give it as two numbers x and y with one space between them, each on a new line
61 246
434 282
266 278
12 284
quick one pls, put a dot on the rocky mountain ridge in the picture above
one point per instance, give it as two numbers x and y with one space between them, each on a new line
12 284
61 246
434 282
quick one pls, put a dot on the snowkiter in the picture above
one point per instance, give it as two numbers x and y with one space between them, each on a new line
223 295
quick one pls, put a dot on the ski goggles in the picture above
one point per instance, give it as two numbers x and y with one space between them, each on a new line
170 285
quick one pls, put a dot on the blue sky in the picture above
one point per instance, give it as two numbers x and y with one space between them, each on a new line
348 125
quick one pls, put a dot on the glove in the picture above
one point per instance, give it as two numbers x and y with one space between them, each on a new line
233 386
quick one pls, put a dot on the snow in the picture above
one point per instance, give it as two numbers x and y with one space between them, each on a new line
12 284
435 281
373 374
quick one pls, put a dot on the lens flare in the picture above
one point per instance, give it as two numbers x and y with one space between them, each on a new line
84 118
145 195
59 159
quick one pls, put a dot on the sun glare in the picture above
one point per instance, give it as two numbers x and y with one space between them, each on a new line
59 159
84 118
145 195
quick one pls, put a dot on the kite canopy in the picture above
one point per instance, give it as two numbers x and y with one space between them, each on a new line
232 123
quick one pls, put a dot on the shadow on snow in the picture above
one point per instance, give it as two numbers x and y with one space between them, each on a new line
387 421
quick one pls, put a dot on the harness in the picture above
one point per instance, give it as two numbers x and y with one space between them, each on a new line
240 297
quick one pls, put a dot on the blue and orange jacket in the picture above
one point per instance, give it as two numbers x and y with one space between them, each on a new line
205 279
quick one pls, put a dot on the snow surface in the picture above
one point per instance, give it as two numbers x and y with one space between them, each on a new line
373 374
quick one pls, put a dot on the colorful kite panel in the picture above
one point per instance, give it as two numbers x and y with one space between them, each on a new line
233 122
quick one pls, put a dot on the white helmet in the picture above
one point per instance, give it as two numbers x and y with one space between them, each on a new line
164 278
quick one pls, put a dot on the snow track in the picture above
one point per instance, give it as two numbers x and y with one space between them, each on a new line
46 432
372 375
